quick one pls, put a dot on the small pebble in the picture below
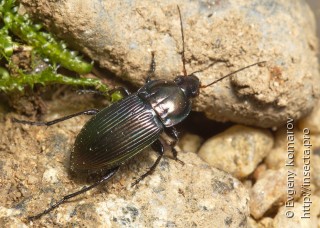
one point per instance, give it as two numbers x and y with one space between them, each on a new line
237 150
282 221
271 189
190 142
51 175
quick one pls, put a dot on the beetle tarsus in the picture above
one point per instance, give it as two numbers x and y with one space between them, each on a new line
49 123
158 147
105 178
175 157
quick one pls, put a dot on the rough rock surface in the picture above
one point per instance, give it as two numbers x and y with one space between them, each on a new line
34 173
237 150
120 34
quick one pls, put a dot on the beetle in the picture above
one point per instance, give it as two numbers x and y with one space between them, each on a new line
119 132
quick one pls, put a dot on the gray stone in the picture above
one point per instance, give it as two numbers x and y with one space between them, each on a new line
119 35
237 150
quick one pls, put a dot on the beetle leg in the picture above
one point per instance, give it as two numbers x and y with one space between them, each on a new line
105 178
158 147
124 91
92 91
173 133
152 68
87 112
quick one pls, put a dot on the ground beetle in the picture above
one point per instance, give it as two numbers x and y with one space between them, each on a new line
119 132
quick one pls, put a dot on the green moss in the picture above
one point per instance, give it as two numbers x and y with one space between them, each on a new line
45 77
44 46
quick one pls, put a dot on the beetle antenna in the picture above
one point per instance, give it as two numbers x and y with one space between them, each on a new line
182 54
232 73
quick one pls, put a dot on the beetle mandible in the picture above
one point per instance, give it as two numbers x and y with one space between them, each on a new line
119 132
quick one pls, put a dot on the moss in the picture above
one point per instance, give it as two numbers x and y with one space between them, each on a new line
16 28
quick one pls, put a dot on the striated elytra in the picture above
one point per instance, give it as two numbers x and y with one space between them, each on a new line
119 132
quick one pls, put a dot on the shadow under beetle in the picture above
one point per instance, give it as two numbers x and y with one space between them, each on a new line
119 132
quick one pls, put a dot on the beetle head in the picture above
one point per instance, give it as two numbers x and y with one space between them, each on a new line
189 84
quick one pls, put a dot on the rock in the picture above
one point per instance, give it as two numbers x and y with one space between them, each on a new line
34 174
190 142
7 218
312 121
259 171
281 219
288 148
316 167
311 160
120 34
272 188
278 155
265 222
300 156
237 150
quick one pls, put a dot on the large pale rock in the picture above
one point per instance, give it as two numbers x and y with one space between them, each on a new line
120 34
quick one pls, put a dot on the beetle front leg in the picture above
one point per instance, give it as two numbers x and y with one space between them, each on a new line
152 68
48 123
124 91
158 147
105 178
173 133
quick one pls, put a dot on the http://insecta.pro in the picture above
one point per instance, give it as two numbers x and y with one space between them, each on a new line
117 133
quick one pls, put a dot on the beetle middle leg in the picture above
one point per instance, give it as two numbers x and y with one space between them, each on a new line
158 147
173 133
49 123
105 178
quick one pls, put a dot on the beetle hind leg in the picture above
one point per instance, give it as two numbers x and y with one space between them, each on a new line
158 147
105 178
49 123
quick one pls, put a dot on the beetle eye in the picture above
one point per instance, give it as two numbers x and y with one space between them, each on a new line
195 93
178 80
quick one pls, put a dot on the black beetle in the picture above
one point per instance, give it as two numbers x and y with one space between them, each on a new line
119 132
